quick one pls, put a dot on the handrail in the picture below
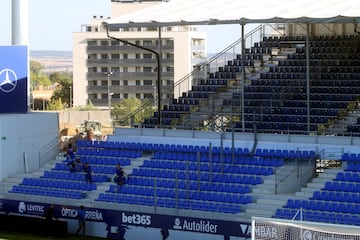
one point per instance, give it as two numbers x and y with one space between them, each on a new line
183 79
48 151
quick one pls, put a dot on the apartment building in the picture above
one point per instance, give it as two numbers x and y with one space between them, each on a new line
105 70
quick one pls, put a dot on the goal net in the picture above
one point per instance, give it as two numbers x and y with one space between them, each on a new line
278 229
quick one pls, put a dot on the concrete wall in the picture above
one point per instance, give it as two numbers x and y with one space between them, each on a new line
78 117
328 147
24 136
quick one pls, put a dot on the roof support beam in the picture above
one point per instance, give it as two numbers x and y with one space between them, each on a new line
158 82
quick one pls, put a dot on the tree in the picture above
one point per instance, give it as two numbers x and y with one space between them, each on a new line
64 88
55 104
36 67
132 110
36 76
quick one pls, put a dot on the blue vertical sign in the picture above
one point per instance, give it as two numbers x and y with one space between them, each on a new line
13 79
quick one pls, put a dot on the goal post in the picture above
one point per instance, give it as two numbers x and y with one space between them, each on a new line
280 229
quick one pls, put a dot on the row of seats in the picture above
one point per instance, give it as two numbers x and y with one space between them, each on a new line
61 171
176 107
98 146
295 96
47 191
183 194
319 216
226 168
171 203
348 176
328 206
351 157
277 127
352 72
53 183
193 175
271 161
189 184
105 160
342 186
108 152
329 195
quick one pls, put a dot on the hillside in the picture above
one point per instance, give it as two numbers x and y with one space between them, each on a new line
53 61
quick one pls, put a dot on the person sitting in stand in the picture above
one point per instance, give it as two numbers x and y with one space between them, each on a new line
78 166
120 175
70 152
88 173
71 165
90 134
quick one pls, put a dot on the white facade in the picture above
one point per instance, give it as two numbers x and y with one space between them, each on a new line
134 71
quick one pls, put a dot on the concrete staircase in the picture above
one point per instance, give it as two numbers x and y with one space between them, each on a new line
7 184
340 126
267 199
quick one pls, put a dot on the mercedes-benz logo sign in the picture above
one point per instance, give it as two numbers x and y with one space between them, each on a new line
8 80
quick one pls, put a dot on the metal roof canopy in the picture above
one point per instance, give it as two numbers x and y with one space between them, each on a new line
214 12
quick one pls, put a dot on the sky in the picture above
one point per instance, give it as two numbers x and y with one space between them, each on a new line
52 22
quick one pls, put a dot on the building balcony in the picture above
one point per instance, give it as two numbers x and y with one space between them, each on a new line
126 62
128 75
127 48
127 89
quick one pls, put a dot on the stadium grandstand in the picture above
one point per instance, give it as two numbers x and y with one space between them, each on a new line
263 144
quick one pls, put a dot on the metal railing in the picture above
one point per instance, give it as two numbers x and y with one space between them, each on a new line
49 151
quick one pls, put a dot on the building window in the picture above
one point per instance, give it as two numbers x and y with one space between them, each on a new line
169 42
126 95
104 96
104 83
169 69
147 43
147 56
126 82
104 43
152 29
138 95
137 56
91 56
147 69
147 82
91 43
115 83
137 42
148 95
168 82
92 70
115 69
137 69
125 56
137 82
104 56
116 95
115 56
125 69
114 43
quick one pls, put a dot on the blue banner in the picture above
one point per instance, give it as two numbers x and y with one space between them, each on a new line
119 218
13 79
